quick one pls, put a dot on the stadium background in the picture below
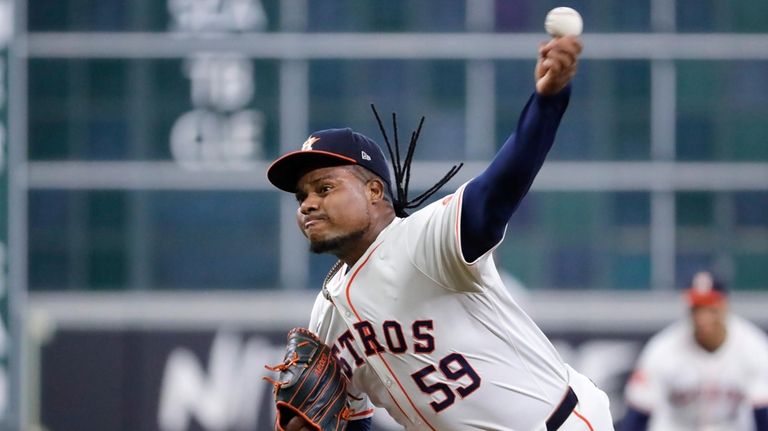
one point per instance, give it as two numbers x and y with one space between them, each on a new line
150 270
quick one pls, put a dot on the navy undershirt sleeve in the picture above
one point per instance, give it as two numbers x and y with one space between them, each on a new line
761 419
359 425
490 198
635 420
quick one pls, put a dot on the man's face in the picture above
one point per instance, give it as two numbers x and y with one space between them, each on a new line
709 321
334 209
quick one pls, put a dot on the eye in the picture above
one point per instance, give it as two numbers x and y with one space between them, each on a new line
300 197
325 188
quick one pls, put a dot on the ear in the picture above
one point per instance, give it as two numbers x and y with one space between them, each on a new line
375 190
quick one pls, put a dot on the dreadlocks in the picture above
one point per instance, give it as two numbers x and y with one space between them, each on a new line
402 169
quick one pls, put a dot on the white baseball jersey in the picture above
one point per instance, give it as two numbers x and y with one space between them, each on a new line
439 342
684 387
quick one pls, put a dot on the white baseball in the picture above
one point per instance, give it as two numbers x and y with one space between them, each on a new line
563 21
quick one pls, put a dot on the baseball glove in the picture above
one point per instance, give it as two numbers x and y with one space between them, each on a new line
310 384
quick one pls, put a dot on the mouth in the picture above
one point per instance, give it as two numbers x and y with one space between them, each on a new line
312 222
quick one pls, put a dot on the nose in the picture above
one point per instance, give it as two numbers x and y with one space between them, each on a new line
309 204
703 318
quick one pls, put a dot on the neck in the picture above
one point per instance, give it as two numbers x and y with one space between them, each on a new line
354 251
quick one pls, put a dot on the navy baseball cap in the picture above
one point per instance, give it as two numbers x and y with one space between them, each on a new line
326 148
705 289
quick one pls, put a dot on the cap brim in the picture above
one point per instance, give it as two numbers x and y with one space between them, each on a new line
285 172
696 298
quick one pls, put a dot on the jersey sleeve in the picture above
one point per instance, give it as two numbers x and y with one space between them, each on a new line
645 386
757 391
360 406
434 245
316 317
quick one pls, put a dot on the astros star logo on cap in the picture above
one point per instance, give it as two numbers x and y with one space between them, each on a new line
307 145
703 282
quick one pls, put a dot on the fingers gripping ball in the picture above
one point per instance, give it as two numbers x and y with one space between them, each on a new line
563 21
310 384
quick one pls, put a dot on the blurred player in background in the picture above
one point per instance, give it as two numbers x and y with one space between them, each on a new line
415 309
708 372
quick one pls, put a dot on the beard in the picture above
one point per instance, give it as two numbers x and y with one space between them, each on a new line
335 245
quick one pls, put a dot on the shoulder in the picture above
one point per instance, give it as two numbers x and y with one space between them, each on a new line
446 205
432 216
319 302
665 351
750 345
747 332
671 334
442 204
669 339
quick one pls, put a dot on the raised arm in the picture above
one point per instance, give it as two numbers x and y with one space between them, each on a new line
491 198
761 418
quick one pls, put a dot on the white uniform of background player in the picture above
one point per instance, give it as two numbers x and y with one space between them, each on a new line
451 347
685 387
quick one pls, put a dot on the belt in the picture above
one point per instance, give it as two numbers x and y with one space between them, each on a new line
561 413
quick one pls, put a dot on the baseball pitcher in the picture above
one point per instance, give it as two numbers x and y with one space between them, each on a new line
414 312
